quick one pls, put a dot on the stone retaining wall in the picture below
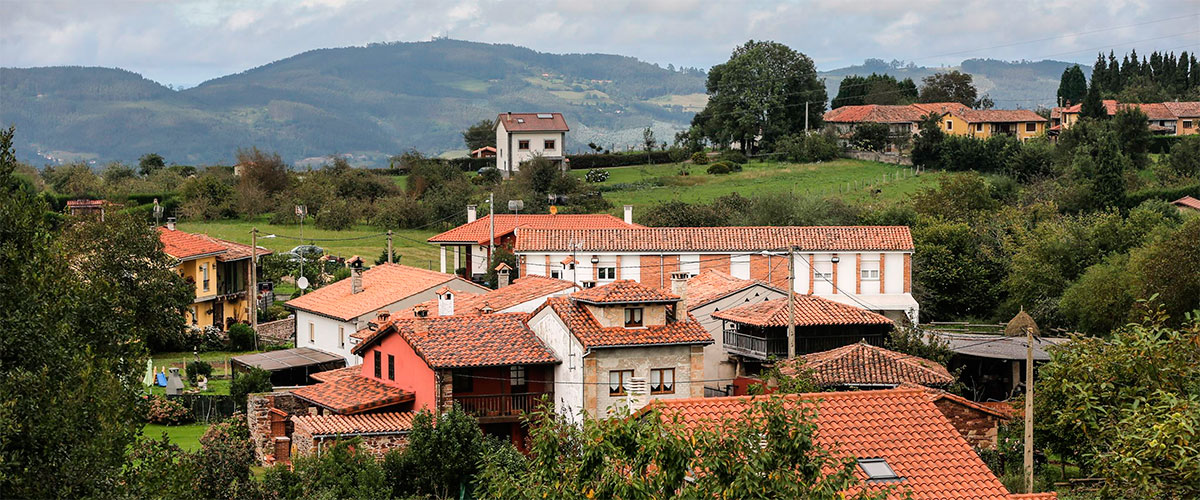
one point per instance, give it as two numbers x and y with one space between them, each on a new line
278 331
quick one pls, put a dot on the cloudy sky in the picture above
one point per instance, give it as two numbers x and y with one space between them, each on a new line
186 42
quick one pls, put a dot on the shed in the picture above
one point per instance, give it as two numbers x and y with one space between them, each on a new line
289 367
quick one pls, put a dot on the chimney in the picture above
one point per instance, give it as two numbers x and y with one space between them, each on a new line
356 271
629 214
471 214
445 301
171 223
679 284
420 311
382 315
486 309
502 273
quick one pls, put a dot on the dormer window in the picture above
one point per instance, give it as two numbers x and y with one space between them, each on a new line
633 317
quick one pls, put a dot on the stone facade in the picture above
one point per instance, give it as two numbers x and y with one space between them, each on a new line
305 444
979 428
278 331
686 360
259 419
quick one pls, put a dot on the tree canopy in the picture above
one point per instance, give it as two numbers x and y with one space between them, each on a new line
952 86
1073 86
481 134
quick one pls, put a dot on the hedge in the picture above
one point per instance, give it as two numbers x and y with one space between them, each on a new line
1165 194
464 164
1162 144
590 161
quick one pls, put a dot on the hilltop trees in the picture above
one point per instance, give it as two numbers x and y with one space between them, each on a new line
480 135
1162 76
953 86
1073 86
875 89
760 91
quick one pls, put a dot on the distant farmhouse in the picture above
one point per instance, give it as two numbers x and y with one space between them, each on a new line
1164 118
522 136
954 119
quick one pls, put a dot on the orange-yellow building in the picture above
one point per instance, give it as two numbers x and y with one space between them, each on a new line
220 271
954 119
1164 118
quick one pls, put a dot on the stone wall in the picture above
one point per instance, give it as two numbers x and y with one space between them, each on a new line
978 428
880 157
305 444
258 419
278 331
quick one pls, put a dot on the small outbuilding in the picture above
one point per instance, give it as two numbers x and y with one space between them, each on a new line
289 367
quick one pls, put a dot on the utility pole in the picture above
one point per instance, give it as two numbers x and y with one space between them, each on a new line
1028 410
805 117
791 291
491 229
253 295
389 234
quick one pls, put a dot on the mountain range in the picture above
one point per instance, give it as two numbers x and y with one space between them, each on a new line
369 103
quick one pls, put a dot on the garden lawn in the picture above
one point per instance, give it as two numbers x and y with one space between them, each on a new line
367 241
185 436
851 180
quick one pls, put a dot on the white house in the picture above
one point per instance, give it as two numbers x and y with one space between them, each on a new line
864 266
328 316
522 136
524 295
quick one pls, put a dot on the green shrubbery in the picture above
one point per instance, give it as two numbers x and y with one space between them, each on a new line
163 411
733 156
808 148
241 337
195 369
596 175
723 167
254 381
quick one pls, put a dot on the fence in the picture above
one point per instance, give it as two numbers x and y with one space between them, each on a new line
207 407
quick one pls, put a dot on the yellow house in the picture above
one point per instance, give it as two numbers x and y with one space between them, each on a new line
1187 116
958 119
1164 118
220 271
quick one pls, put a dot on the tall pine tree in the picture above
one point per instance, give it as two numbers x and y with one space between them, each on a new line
1072 87
1092 106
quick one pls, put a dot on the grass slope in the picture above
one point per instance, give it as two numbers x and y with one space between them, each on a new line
185 436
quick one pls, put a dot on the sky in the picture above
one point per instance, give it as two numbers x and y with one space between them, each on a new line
183 43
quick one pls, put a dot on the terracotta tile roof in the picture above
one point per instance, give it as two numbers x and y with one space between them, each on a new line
373 423
901 426
1154 110
530 122
521 290
352 394
233 250
331 375
1056 112
91 204
867 365
592 335
623 292
1000 115
1187 201
998 409
874 113
467 341
810 311
479 232
1183 109
713 285
383 284
184 246
718 239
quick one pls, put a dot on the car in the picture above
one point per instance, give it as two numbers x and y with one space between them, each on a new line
309 251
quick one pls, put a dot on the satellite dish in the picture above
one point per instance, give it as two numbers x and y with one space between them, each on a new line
302 283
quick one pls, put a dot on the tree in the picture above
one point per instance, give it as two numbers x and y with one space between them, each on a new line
1168 269
648 140
1100 300
954 86
254 381
871 136
1072 87
926 152
875 89
1133 135
439 461
953 275
760 91
345 470
1092 106
150 162
1185 157
480 135
263 171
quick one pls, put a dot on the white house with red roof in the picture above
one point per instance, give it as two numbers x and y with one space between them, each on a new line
328 316
864 266
469 244
522 136
621 345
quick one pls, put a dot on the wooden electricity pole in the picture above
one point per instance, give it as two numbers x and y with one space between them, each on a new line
253 292
791 327
389 235
1028 410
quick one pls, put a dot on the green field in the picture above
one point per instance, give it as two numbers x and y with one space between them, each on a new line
363 240
851 180
185 436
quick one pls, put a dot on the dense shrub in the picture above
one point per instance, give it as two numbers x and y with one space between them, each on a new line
1185 157
801 148
222 466
720 168
1162 144
241 337
590 161
400 212
596 175
254 381
488 177
162 411
197 368
700 158
337 214
733 156
209 338
871 136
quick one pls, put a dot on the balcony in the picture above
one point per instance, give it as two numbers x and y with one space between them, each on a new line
764 348
755 347
501 407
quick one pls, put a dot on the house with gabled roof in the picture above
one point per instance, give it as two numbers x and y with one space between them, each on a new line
621 345
470 244
328 316
865 366
523 295
219 269
902 444
522 136
864 266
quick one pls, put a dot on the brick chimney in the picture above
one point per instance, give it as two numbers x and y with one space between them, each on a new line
629 214
356 272
471 213
382 315
445 301
679 285
502 275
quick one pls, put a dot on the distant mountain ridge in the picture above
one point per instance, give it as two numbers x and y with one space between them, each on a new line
383 99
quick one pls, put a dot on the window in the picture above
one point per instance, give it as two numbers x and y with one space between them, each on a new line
556 274
662 381
1187 124
204 275
869 271
516 378
1031 127
548 144
391 367
463 381
877 469
378 365
342 336
979 127
606 273
949 125
523 144
312 333
633 316
618 381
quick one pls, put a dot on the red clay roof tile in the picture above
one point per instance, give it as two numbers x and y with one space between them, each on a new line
716 239
1187 201
183 245
479 232
331 375
352 394
531 122
521 290
591 334
810 311
383 284
862 364
467 341
334 425
623 292
712 285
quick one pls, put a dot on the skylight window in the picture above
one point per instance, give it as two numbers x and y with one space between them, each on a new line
520 120
877 469
545 116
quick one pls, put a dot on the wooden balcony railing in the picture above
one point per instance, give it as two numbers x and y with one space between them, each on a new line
501 405
757 347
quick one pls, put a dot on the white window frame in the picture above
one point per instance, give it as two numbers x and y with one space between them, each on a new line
869 270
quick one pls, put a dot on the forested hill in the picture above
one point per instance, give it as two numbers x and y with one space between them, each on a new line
371 102
1023 84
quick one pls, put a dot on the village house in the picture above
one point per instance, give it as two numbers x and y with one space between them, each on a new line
864 266
898 439
522 136
1163 118
621 345
470 243
954 118
328 316
865 366
220 271
523 295
484 152
1187 205
491 365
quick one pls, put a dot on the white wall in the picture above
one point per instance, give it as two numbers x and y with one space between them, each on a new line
689 263
893 273
479 263
568 375
325 335
717 365
802 266
536 140
846 273
739 266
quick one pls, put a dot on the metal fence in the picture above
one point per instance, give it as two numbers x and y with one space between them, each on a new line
208 407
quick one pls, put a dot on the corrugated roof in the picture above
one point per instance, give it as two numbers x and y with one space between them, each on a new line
288 358
998 346
716 239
